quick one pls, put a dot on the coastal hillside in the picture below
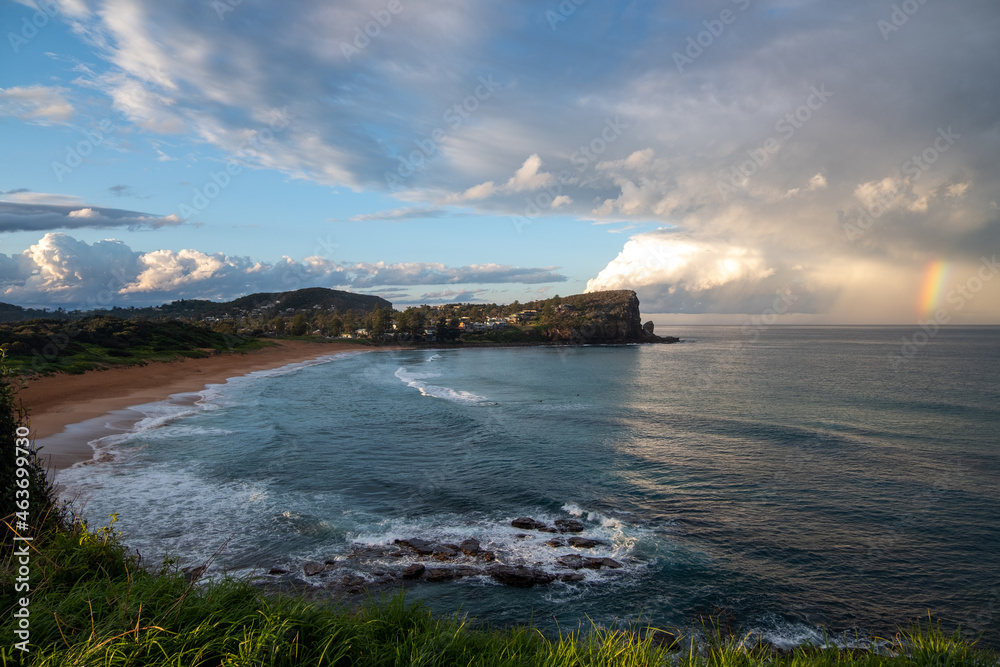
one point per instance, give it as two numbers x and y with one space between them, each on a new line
310 297
600 317
76 346
266 303
607 318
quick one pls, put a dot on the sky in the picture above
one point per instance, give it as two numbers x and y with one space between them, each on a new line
795 161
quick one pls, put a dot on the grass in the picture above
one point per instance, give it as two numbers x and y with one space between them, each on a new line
92 604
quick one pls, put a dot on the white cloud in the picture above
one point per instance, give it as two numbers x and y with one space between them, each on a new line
817 182
84 213
528 176
36 103
674 261
59 269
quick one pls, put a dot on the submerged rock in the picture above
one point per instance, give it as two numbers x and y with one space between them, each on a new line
434 574
585 543
576 561
422 547
312 568
598 563
277 570
663 639
572 561
413 571
569 526
521 577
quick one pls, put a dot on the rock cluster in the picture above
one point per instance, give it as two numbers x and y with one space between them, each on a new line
466 559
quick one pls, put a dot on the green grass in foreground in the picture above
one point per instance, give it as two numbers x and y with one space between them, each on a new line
91 604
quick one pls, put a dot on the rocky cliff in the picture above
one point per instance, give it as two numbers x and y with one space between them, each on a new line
601 318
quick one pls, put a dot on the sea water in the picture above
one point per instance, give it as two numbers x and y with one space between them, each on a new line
794 481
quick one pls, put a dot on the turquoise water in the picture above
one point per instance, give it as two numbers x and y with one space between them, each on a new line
795 483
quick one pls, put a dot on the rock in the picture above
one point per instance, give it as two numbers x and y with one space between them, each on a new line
444 552
277 570
487 555
572 576
648 327
435 574
413 571
569 526
572 561
312 568
422 547
469 547
353 584
330 564
521 577
192 574
521 536
467 571
528 523
663 639
585 543
556 542
598 563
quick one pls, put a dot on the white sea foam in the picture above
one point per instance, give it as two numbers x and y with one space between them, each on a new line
575 510
496 534
159 413
417 381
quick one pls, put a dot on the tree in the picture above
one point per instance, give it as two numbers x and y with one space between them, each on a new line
418 321
350 321
334 325
299 326
381 322
278 324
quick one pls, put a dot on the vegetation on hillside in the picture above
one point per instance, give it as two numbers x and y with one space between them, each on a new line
75 346
263 304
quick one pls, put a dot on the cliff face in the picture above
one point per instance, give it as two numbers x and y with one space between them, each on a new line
602 318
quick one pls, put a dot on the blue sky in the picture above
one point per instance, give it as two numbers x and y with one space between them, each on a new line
719 158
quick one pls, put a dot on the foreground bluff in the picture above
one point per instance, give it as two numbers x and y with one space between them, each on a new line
602 318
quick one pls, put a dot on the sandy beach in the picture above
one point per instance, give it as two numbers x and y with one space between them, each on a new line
62 405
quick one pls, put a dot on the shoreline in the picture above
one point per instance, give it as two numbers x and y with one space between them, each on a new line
67 412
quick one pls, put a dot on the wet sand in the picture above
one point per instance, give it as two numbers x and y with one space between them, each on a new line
68 411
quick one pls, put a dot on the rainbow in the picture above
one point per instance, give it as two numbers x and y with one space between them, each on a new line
934 282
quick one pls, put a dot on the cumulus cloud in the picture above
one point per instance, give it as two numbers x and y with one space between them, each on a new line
677 261
36 103
528 177
59 269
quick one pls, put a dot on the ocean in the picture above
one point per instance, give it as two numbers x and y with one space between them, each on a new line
794 482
